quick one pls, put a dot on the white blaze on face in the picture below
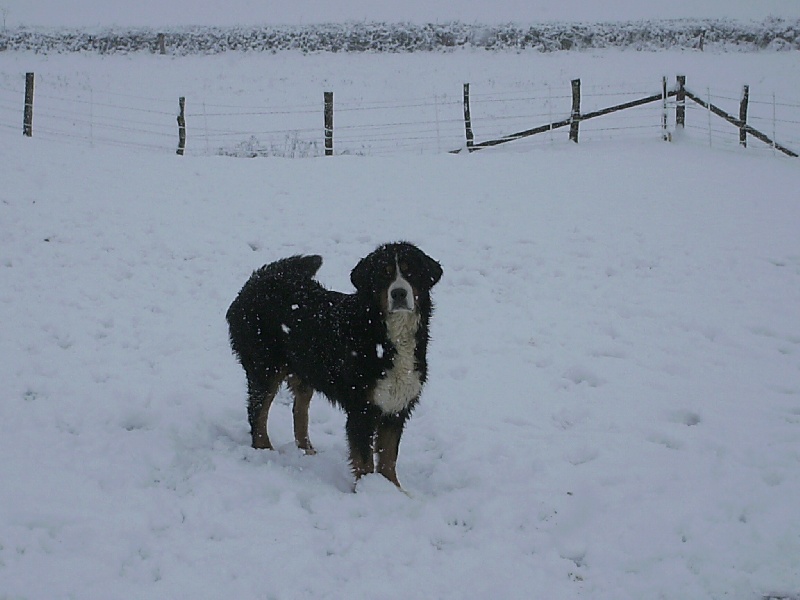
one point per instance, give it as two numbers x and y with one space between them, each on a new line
400 293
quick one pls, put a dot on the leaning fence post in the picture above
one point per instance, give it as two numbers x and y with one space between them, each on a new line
743 116
575 118
27 118
182 125
328 123
680 104
468 119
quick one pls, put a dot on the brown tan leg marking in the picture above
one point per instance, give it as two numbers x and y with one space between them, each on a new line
388 444
302 399
261 416
260 436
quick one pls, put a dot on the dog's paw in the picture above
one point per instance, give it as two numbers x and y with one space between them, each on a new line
374 484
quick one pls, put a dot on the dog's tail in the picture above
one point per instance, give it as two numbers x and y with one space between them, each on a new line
294 266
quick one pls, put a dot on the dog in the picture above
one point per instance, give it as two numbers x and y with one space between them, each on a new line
366 351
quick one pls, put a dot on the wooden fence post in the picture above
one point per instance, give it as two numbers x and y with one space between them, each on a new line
162 45
328 123
182 125
664 133
27 117
680 98
575 118
743 116
468 119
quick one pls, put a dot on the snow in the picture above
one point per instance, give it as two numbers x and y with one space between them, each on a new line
613 400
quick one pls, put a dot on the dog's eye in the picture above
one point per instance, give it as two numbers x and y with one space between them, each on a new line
404 266
388 269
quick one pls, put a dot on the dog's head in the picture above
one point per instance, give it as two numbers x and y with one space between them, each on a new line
398 274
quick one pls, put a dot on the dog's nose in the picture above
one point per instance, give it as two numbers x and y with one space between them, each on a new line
399 295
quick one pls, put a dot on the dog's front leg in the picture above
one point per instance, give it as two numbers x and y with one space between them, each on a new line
360 430
390 428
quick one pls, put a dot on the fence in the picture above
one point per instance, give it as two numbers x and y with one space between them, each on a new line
398 126
680 93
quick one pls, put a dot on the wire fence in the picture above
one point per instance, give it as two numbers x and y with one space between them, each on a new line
428 124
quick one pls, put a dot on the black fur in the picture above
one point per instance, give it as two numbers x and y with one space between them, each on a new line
284 325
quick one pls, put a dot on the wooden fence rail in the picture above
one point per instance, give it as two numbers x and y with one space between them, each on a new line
573 121
680 93
744 128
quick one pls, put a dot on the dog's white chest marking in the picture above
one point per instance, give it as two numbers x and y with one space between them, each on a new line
402 384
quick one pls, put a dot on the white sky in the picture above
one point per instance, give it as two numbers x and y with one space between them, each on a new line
91 13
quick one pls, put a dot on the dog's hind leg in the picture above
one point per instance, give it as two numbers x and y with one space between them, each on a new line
387 445
302 398
260 396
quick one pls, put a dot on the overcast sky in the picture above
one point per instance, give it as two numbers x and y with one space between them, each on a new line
92 13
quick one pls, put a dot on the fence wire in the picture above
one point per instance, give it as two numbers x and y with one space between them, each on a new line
415 125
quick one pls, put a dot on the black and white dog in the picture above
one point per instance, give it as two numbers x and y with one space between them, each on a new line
365 352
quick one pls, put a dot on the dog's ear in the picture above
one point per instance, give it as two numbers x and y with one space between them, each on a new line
361 275
433 270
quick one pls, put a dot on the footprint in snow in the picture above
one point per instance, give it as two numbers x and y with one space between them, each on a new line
579 375
684 417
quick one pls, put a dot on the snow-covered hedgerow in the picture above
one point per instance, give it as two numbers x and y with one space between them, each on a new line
772 34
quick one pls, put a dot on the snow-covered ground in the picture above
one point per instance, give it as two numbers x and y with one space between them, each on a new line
613 407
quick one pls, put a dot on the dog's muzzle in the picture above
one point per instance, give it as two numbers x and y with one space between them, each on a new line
401 296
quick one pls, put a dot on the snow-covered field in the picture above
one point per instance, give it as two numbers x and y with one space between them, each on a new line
613 407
